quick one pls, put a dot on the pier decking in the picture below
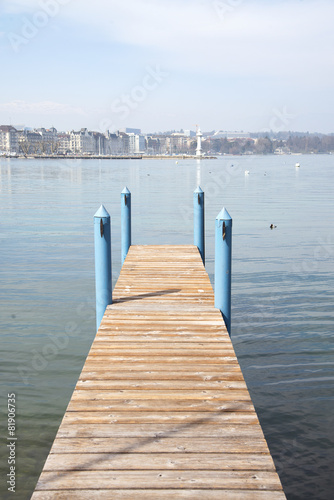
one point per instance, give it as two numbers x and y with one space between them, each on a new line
161 409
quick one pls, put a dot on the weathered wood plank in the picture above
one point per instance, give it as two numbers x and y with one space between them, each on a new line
189 353
104 373
158 494
149 338
199 428
217 395
176 332
173 322
173 444
164 360
154 405
151 461
259 480
123 417
111 384
175 368
179 372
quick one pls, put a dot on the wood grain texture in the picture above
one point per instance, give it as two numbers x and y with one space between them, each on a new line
161 409
159 494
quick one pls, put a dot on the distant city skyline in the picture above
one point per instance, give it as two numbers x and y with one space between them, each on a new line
166 65
131 142
220 132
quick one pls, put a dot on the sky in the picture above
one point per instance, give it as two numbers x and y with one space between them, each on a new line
158 65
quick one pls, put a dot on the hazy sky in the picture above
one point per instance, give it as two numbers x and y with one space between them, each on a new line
168 64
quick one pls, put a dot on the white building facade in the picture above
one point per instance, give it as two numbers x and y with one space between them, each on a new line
9 139
82 142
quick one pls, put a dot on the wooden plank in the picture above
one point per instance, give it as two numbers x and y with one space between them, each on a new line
173 444
173 331
163 361
161 409
232 479
200 428
126 417
158 494
217 395
151 461
168 322
155 405
179 372
147 338
175 368
174 351
173 328
139 384
101 373
192 348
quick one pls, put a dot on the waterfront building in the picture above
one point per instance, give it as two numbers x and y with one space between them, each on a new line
9 139
153 146
135 143
125 142
113 143
100 143
64 143
30 143
132 143
179 143
82 142
49 140
225 134
136 131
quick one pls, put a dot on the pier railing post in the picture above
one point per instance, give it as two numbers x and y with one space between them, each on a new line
199 226
125 222
223 266
102 240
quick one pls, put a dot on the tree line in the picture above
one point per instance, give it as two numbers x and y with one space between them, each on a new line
267 145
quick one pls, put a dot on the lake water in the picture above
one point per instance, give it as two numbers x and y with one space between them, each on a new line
282 297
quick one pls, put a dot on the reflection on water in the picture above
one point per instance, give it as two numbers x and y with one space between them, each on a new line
282 305
67 170
198 173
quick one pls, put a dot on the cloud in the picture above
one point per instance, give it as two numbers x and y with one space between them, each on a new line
43 108
235 37
252 37
19 6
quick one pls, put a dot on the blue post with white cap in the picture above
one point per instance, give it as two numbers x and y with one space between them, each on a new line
125 222
223 266
199 227
102 239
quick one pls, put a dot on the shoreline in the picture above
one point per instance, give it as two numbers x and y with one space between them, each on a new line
143 156
110 157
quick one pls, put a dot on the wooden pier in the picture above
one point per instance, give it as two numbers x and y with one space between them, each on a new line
161 409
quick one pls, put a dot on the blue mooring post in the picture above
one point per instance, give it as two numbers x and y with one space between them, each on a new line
102 241
223 266
199 233
125 222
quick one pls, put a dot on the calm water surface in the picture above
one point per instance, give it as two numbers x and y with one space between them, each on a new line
283 280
